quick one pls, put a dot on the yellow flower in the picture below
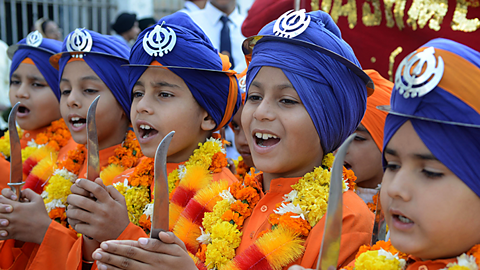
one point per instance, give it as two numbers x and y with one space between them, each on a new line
27 151
137 198
211 218
5 142
228 232
328 160
218 254
58 188
379 259
173 180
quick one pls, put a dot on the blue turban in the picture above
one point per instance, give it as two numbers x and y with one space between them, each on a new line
333 95
447 116
39 53
105 55
194 59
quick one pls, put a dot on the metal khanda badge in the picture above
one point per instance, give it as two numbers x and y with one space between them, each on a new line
242 84
34 39
159 41
79 41
291 24
419 73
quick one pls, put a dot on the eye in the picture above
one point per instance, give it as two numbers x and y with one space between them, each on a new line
165 95
90 91
393 167
432 175
15 82
359 138
235 126
66 92
137 94
288 101
38 85
254 97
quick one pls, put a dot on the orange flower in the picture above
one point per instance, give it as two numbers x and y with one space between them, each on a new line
201 253
349 175
58 213
299 225
242 208
373 206
274 219
387 246
145 222
475 251
75 159
230 216
249 194
143 174
219 161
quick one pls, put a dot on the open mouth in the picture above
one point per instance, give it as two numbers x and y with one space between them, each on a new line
78 122
265 139
402 219
22 110
146 131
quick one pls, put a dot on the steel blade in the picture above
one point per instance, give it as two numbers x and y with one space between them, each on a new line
160 193
16 167
93 158
380 226
328 256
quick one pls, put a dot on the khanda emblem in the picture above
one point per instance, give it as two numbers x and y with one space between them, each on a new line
242 84
291 24
34 39
159 41
419 73
79 41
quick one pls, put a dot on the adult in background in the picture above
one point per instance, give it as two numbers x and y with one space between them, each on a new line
48 29
221 21
126 27
193 5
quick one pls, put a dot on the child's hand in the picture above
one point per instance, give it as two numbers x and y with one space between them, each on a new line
24 221
102 219
146 253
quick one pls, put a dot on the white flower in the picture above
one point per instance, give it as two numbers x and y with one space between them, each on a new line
44 194
66 174
182 170
226 195
290 197
290 207
465 261
125 184
347 187
32 143
219 143
390 256
204 238
54 204
148 210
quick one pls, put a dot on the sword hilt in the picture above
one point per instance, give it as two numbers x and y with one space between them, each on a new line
17 188
154 233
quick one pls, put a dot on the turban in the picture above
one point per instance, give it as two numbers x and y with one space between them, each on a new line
39 49
321 67
104 54
124 22
437 89
177 43
374 119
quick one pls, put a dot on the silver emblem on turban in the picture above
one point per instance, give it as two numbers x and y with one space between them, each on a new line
79 41
159 41
34 39
419 73
242 84
291 24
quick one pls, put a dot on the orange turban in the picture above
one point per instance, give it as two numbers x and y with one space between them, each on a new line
374 119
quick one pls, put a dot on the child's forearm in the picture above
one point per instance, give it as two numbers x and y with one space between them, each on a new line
88 247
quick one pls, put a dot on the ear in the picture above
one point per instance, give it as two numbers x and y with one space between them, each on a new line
207 123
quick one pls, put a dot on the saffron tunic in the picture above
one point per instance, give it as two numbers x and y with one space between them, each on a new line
357 224
58 240
133 232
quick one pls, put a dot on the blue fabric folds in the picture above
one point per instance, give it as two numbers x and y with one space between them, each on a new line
107 59
457 147
192 50
40 56
335 98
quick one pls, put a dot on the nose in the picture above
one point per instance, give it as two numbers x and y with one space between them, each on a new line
398 184
143 106
264 111
23 91
73 99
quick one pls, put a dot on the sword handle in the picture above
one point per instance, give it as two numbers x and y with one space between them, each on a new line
17 188
154 233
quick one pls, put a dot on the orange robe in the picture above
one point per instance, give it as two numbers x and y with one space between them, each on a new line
357 224
58 240
133 232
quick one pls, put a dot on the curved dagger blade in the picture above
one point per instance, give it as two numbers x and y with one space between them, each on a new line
93 158
16 167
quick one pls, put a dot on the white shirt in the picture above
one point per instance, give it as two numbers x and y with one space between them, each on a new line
366 194
189 7
209 21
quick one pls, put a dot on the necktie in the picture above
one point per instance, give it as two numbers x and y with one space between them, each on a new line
225 42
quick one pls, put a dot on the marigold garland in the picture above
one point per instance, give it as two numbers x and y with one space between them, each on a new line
209 158
5 142
291 222
66 172
383 255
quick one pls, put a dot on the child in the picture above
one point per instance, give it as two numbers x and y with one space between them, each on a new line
90 65
34 83
301 104
188 89
430 189
364 155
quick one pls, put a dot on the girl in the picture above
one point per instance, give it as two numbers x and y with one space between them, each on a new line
301 104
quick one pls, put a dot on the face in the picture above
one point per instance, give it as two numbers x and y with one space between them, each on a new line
39 105
52 31
282 138
132 34
80 86
161 103
240 139
226 6
430 212
365 159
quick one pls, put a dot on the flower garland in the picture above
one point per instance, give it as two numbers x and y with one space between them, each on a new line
66 172
183 182
383 255
241 168
5 142
220 232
